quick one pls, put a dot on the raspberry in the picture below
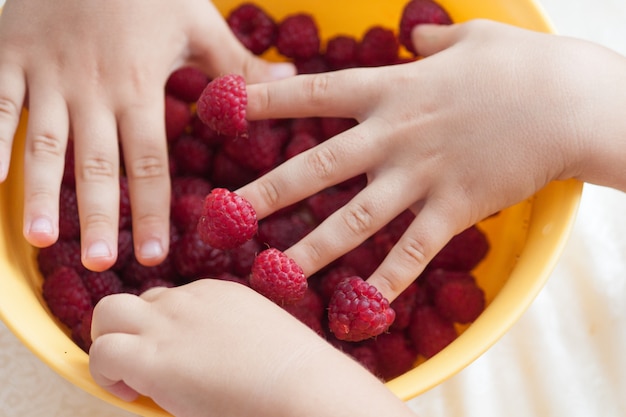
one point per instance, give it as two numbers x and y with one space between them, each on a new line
135 274
222 105
332 126
204 132
262 149
309 310
228 173
227 220
183 185
417 12
66 296
69 175
395 353
378 47
433 279
194 258
298 36
254 28
358 311
61 253
243 257
327 283
299 143
366 356
81 332
283 231
364 258
192 155
227 276
429 331
326 202
124 249
186 211
278 277
126 220
341 52
460 300
308 125
101 284
405 303
186 84
313 65
177 117
463 252
69 225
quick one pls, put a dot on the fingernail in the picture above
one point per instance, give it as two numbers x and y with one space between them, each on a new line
41 225
99 249
282 70
151 249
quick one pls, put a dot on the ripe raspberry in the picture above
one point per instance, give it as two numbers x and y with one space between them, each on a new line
405 303
332 126
283 230
263 148
125 250
192 156
201 131
254 28
309 310
222 105
429 331
417 12
433 279
278 277
460 301
243 257
183 185
186 84
228 173
366 356
227 276
81 333
186 211
299 143
69 174
395 353
298 36
194 258
69 225
227 220
135 274
313 65
177 117
61 253
341 52
308 125
358 311
66 295
463 252
364 258
101 284
125 209
326 202
378 47
327 283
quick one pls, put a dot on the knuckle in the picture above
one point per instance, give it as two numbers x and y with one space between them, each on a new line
45 145
269 193
413 253
146 167
317 87
358 218
322 162
9 110
97 168
98 220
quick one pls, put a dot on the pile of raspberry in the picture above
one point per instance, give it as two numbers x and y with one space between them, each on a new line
213 151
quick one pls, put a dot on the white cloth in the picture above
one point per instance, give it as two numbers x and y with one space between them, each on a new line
565 357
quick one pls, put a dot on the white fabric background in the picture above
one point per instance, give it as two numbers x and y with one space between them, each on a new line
565 357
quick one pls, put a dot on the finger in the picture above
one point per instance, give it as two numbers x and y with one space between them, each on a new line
44 161
97 182
429 39
112 358
321 95
327 164
372 208
428 233
153 294
219 52
12 91
118 313
142 132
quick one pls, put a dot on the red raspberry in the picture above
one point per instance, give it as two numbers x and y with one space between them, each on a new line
101 284
183 185
283 230
326 202
460 301
278 277
204 132
309 310
395 353
61 253
341 52
228 173
358 311
313 65
81 333
262 149
186 84
69 224
429 331
308 125
135 274
299 143
222 105
227 220
125 250
327 283
186 211
192 156
194 258
125 209
67 296
433 279
227 276
177 117
463 252
405 303
366 356
332 126
69 174
298 36
417 12
378 47
364 258
243 257
254 28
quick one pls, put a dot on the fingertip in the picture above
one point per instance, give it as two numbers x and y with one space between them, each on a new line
41 231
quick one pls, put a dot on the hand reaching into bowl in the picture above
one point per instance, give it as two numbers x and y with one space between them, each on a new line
95 71
491 116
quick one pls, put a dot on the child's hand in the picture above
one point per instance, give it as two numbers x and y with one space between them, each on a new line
217 348
489 118
96 71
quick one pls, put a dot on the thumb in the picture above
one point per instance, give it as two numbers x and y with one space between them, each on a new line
429 39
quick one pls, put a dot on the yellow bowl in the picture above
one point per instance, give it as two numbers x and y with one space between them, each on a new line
526 239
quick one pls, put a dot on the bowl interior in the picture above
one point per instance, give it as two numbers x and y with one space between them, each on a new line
526 239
